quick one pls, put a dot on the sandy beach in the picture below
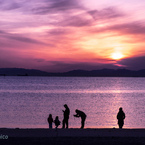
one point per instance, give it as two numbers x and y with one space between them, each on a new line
88 136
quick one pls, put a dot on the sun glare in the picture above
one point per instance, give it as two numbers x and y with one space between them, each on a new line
117 55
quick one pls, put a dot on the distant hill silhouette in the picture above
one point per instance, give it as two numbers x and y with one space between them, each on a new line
74 73
21 72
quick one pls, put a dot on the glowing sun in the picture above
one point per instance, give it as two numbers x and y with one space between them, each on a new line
117 55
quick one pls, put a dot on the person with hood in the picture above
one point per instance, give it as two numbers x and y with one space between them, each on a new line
120 117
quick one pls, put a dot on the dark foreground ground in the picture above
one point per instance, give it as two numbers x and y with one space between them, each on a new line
74 141
72 136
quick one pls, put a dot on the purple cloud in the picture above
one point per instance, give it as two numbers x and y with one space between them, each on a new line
77 21
105 14
134 63
83 18
61 31
133 28
40 60
62 66
20 38
129 28
55 6
9 5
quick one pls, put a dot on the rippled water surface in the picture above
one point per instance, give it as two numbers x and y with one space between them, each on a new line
27 101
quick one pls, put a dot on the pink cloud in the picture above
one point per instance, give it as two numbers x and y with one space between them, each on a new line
56 30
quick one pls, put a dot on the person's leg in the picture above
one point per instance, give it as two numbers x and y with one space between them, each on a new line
63 123
66 121
83 122
120 126
120 123
50 125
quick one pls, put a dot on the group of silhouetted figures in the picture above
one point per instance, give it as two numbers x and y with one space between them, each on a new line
66 113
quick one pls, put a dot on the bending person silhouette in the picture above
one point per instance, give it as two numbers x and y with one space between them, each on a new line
66 116
82 115
120 117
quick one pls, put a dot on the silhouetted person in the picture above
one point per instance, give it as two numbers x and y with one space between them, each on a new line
66 116
50 120
82 115
120 117
57 122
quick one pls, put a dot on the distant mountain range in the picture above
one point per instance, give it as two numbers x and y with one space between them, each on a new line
74 73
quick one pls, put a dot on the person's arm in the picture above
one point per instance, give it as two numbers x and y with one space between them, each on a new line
117 116
77 115
124 116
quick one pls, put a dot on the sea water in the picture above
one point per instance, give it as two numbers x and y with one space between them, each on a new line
26 102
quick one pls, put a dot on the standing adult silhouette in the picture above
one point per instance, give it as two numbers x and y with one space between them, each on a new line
120 117
66 113
82 115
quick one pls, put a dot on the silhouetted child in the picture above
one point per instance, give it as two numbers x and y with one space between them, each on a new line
82 115
120 117
57 122
50 120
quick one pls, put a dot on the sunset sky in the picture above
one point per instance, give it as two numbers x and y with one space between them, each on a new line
64 35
